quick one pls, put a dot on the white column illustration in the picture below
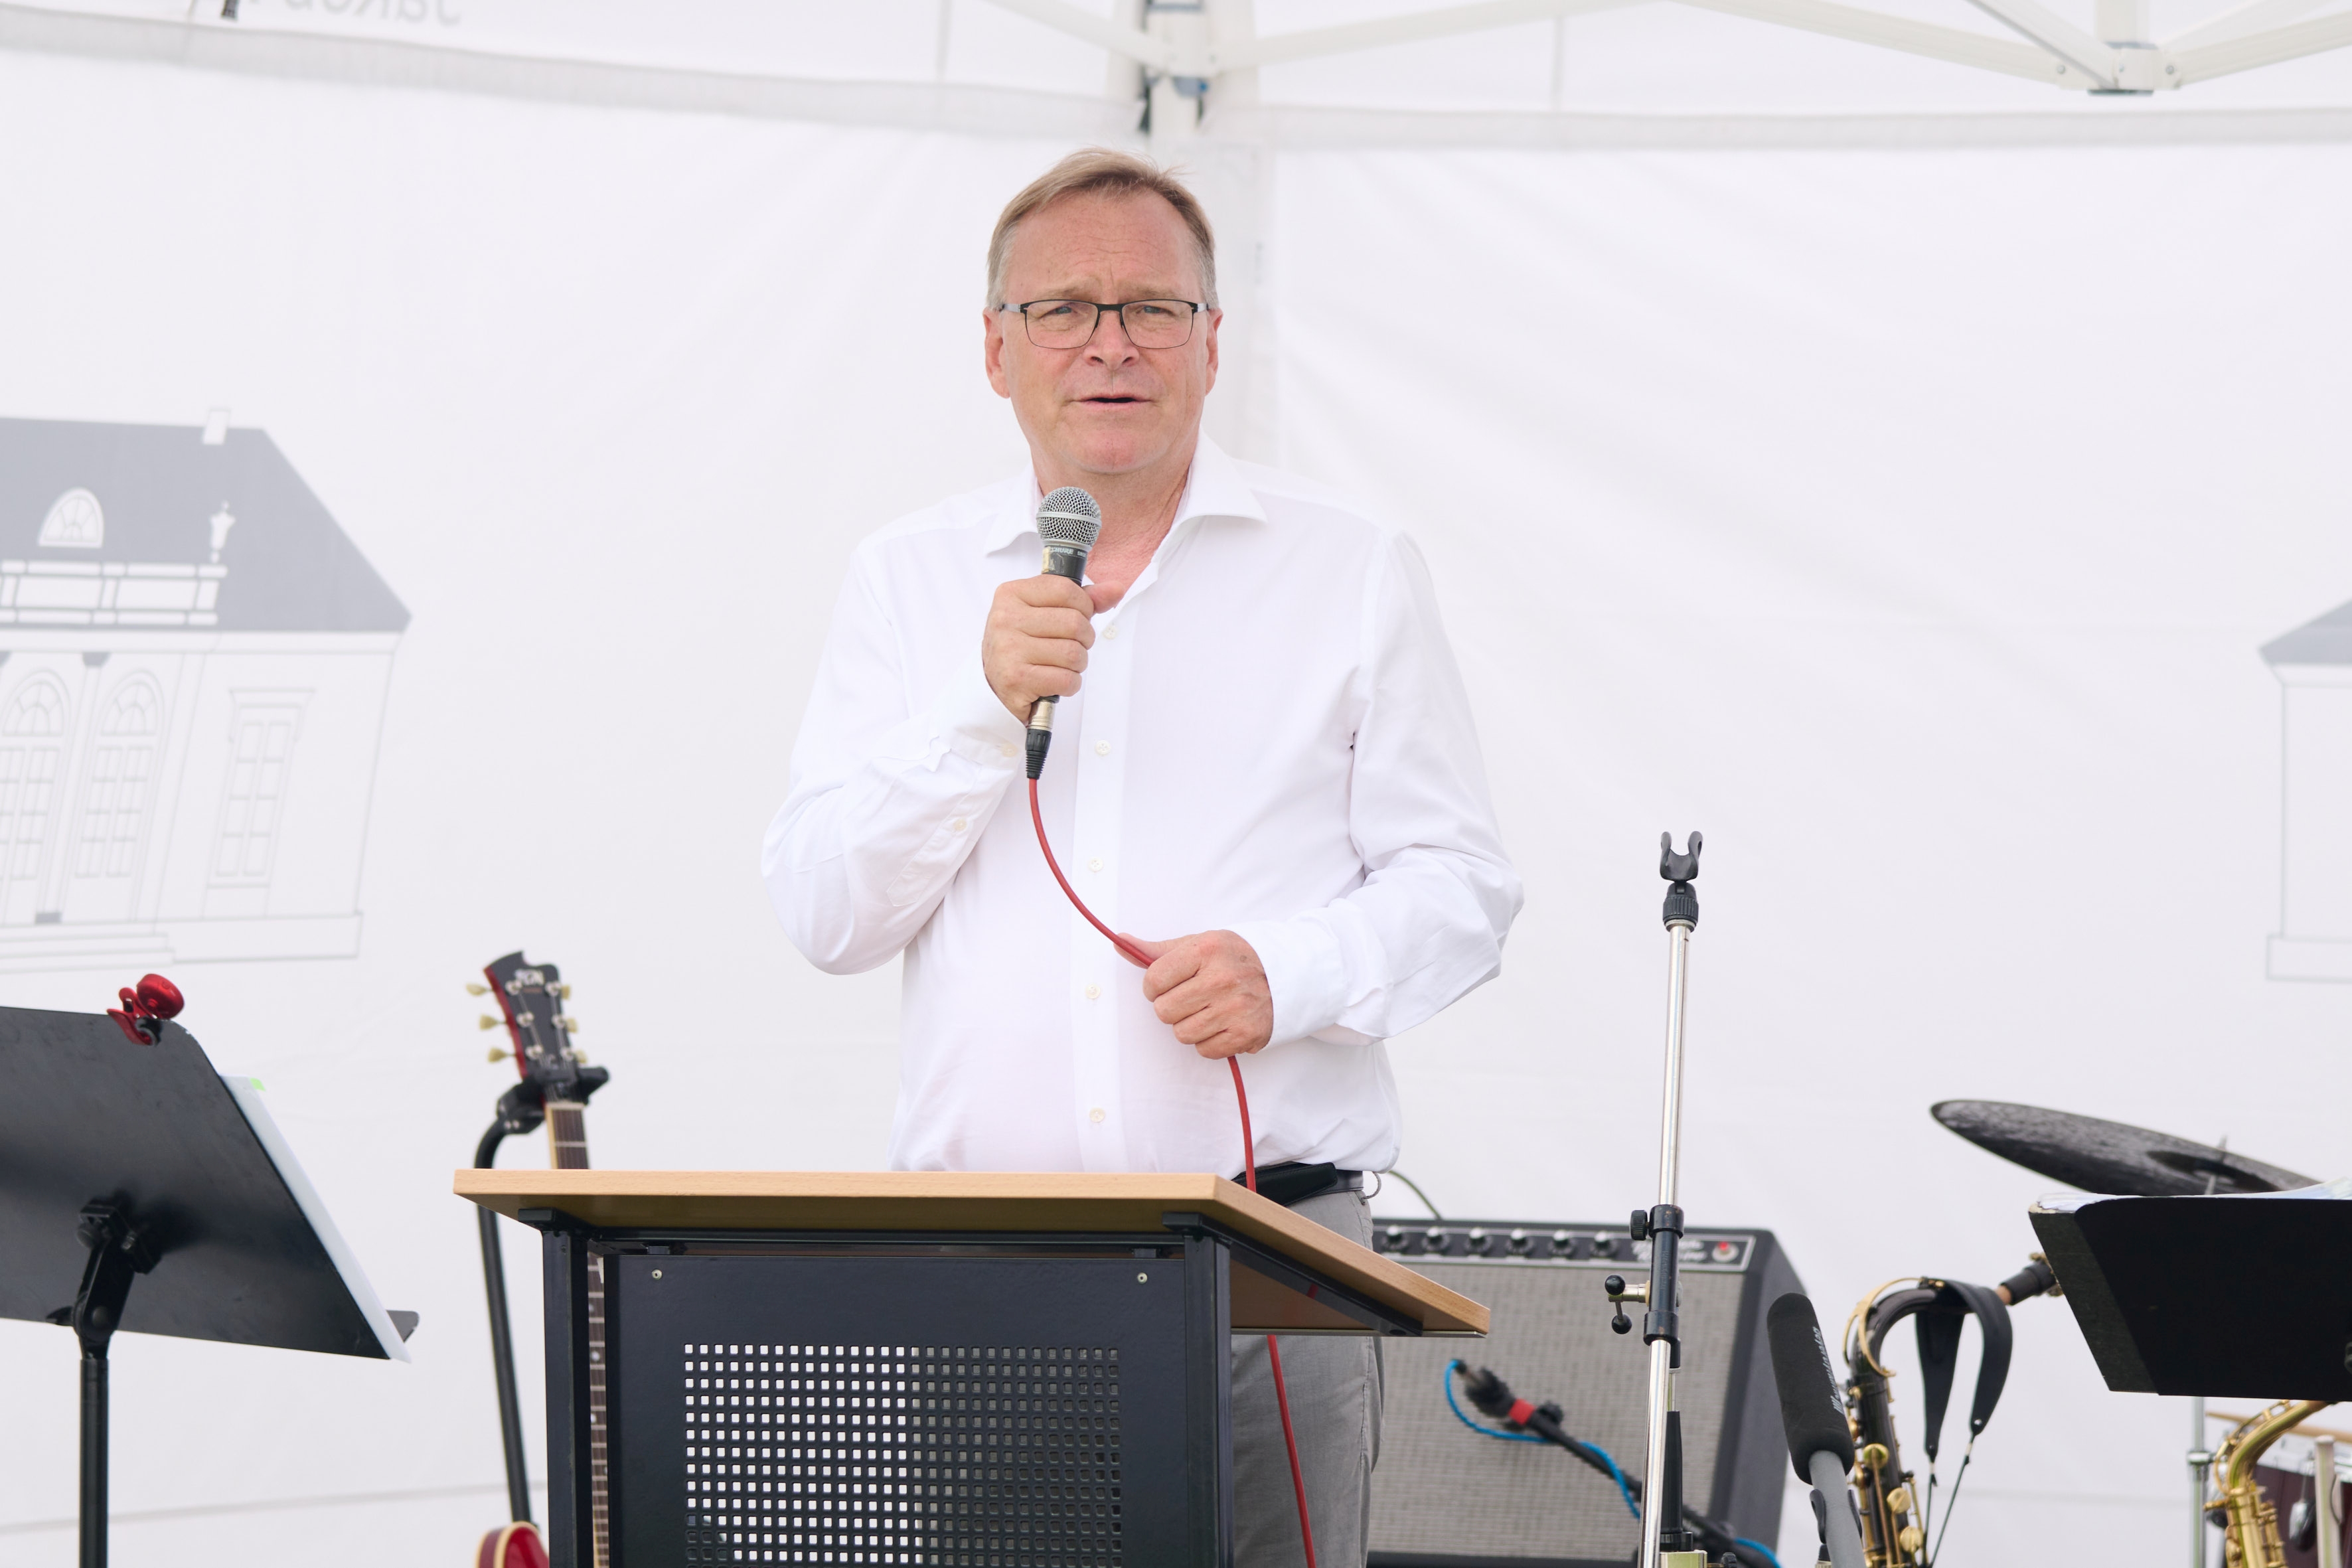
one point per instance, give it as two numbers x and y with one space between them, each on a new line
2314 665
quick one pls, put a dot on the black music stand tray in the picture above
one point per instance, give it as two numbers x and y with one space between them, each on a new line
2240 1297
923 1369
124 1162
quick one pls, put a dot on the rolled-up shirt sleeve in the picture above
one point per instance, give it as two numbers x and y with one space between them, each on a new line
889 790
1427 923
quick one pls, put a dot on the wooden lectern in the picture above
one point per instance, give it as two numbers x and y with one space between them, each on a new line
920 1368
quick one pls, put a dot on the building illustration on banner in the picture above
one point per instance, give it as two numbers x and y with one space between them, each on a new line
194 660
2314 665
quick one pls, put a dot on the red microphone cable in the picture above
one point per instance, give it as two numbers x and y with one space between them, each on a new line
1142 960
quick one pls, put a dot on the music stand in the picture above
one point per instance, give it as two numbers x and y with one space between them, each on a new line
121 1161
2236 1297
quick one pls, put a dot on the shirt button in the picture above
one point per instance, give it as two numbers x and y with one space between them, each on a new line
959 825
1102 748
1003 750
1111 631
1096 1114
1095 864
1093 991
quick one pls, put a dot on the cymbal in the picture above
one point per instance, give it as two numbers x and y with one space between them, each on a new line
2108 1157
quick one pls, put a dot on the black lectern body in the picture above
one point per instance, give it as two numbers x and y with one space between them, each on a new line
954 1370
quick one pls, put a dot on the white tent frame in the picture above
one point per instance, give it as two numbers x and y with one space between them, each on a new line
1186 46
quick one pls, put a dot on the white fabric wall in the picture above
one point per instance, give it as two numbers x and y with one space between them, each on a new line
1907 521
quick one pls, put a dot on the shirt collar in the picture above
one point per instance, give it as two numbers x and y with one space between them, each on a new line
1215 487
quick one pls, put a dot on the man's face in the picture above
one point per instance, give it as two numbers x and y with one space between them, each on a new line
1106 407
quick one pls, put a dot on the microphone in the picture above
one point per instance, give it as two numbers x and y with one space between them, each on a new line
1812 1416
1067 522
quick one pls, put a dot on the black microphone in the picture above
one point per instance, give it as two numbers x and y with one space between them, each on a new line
1812 1416
1067 522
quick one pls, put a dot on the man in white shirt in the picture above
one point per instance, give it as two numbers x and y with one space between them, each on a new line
1263 763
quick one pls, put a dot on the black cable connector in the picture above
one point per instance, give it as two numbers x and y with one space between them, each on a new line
1038 742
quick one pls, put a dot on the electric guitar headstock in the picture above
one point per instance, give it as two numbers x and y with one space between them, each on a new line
556 1079
531 998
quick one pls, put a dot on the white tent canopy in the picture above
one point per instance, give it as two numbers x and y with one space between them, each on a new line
1890 468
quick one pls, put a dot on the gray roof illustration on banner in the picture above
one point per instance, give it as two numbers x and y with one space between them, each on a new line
205 527
2328 640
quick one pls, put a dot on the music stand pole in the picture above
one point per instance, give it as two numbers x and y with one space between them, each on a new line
1663 1532
118 1250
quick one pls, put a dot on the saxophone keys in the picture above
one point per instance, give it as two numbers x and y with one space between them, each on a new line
1911 1537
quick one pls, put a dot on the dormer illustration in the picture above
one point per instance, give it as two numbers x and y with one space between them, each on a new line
194 659
2314 664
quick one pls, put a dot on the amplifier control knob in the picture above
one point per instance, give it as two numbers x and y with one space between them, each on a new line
1561 1246
1521 1242
1392 1239
1478 1240
1435 1237
1604 1246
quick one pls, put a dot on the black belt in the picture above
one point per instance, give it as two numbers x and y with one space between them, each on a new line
1291 1184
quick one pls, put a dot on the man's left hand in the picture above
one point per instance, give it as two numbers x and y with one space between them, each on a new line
1213 990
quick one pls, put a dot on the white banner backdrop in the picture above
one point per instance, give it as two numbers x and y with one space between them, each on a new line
1907 521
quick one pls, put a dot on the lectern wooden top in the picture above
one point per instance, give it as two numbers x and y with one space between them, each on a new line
962 1201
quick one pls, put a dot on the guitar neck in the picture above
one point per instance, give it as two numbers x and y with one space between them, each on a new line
567 1148
567 1135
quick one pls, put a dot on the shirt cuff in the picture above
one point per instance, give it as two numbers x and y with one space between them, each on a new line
974 721
1305 971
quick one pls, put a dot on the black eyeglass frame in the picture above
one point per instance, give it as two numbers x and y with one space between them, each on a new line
1098 306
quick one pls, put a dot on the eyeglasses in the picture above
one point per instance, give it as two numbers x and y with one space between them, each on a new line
1070 323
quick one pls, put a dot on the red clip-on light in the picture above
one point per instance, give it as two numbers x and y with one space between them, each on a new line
143 1011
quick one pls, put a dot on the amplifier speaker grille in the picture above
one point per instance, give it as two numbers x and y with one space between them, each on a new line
1444 1495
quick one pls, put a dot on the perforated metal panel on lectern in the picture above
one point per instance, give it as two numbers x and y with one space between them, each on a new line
958 1372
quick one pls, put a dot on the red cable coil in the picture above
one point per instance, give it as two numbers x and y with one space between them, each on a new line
1142 960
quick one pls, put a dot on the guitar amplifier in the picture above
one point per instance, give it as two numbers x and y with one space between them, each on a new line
1445 1497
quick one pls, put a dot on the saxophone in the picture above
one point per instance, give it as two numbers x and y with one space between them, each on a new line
1894 1533
1891 1536
2250 1528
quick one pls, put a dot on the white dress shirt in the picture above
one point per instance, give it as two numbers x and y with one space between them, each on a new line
1272 739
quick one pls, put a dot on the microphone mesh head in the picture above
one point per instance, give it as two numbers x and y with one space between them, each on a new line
1068 519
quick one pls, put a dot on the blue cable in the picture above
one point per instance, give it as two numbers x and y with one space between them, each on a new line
1615 1474
1447 1376
1624 1490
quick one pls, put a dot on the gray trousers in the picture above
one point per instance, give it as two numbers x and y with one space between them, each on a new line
1334 1384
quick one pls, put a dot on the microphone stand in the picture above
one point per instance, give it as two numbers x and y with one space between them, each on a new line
1665 1542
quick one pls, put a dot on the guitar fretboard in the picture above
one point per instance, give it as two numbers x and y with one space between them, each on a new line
567 1136
567 1144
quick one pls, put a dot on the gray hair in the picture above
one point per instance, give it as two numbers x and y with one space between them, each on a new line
1105 170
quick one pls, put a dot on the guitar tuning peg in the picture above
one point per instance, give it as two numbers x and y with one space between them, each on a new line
487 1022
580 1056
499 1053
475 988
563 991
571 1025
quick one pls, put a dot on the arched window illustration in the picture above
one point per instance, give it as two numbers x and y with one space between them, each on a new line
122 761
32 733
